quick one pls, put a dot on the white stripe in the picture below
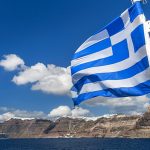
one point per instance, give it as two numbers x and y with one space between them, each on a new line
125 18
95 56
130 46
136 57
93 39
120 36
130 82
147 24
147 39
127 24
74 94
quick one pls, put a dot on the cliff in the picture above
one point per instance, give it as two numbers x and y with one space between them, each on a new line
115 126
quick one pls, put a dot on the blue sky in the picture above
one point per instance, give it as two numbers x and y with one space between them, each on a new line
49 32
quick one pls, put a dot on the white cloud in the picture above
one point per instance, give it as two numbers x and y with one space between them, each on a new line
31 74
80 112
8 113
29 114
57 81
61 111
6 116
11 62
128 105
65 111
49 79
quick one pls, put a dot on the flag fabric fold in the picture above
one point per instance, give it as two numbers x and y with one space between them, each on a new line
115 61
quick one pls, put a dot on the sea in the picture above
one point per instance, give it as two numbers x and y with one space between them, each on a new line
75 144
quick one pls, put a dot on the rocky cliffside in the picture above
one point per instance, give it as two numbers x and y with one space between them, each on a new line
115 126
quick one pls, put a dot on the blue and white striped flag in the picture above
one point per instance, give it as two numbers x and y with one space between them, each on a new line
114 62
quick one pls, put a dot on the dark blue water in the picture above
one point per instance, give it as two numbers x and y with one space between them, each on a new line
75 144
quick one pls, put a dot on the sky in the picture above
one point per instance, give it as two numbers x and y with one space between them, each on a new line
43 35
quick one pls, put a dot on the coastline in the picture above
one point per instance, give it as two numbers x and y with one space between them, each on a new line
117 126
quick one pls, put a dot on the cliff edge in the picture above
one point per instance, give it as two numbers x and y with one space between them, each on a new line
135 126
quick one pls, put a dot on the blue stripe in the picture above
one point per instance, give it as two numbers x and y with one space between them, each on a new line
139 90
135 10
94 48
120 52
116 26
124 74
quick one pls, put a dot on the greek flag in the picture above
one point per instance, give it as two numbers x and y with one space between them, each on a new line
114 62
